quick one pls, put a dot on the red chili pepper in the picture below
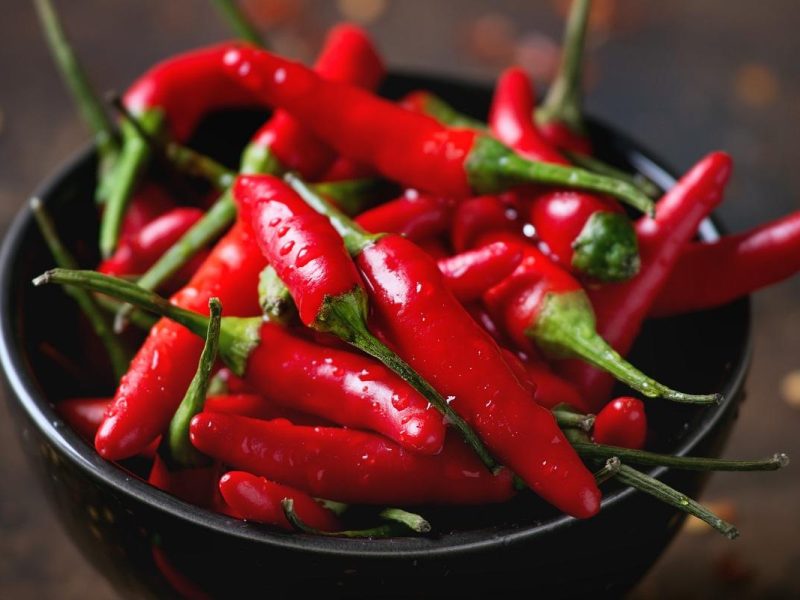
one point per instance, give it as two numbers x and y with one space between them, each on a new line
543 304
149 202
160 372
471 273
416 216
344 169
83 415
348 465
710 274
410 148
622 308
511 118
348 56
233 384
623 423
258 499
136 253
477 216
551 390
584 233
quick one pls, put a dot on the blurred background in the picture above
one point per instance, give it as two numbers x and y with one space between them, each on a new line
684 77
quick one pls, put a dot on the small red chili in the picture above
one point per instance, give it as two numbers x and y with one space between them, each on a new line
622 422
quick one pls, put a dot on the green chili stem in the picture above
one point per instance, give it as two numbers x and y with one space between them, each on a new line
131 164
644 483
595 165
237 21
355 237
493 167
690 463
565 327
178 447
570 419
140 319
440 110
401 523
563 103
90 105
194 163
118 355
609 470
345 317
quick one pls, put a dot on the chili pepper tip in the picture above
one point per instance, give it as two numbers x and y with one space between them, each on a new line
781 459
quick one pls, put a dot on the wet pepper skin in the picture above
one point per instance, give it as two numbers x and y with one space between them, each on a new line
342 387
348 465
428 327
159 374
301 245
411 148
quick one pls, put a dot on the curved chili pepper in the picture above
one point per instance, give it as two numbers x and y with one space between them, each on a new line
348 465
160 372
410 148
560 118
425 103
169 99
430 329
476 216
258 499
415 215
584 233
338 385
136 253
622 308
543 304
471 273
310 257
347 55
710 274
622 422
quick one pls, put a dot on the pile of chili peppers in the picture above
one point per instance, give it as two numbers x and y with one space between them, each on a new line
327 344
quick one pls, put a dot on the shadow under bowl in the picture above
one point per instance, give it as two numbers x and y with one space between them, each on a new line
149 543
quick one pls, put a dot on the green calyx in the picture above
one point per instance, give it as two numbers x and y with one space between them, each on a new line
607 248
563 103
492 167
130 166
238 336
176 446
565 328
274 297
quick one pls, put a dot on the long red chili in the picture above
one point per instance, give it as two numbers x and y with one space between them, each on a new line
428 327
160 372
587 234
622 308
404 146
543 304
348 465
710 274
257 499
471 273
476 216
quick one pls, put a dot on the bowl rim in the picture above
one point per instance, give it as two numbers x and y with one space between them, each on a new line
42 412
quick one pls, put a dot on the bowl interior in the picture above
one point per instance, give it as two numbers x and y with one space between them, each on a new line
48 353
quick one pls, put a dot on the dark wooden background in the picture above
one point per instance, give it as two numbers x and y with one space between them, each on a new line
684 76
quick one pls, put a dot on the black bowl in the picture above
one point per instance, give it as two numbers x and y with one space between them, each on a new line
147 542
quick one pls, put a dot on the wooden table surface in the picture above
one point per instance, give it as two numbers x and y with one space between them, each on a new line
684 76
